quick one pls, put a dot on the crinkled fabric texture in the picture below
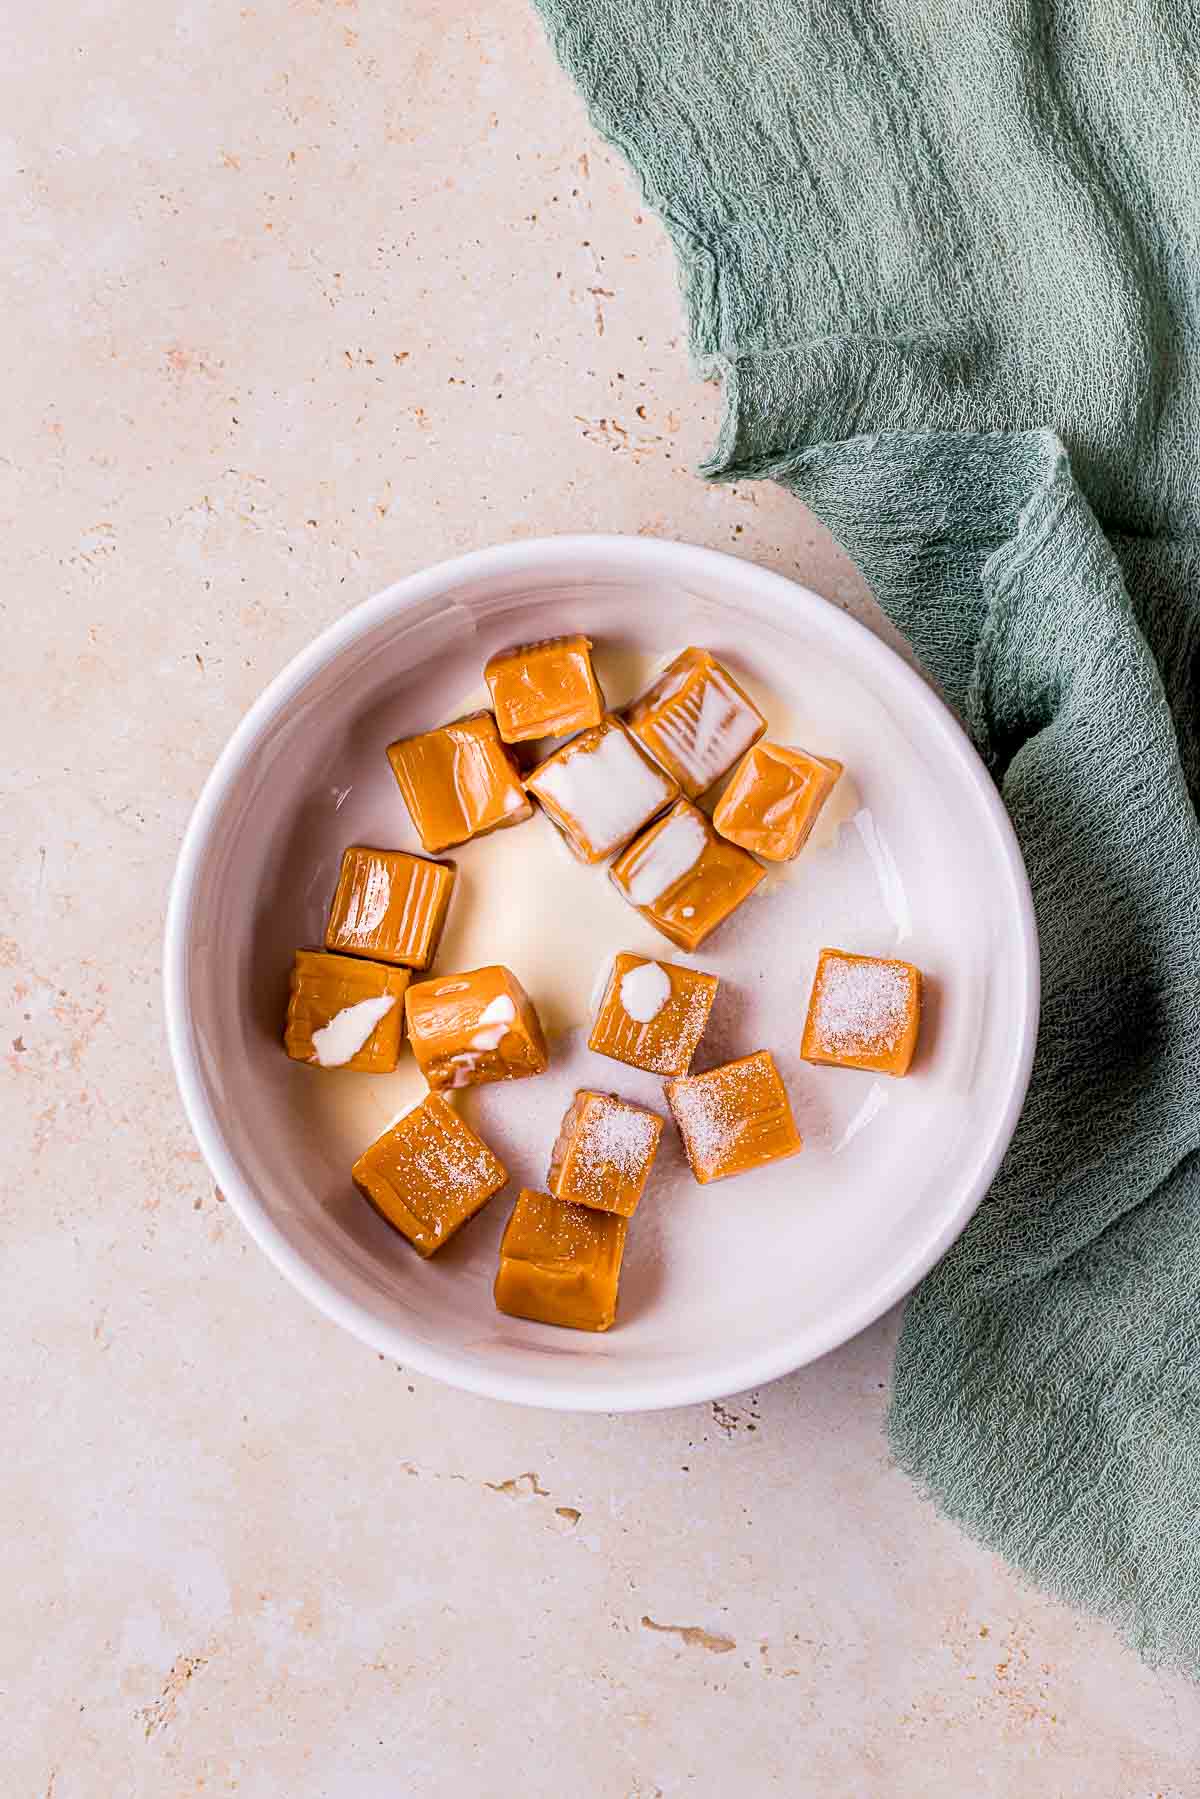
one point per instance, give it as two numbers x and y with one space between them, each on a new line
946 260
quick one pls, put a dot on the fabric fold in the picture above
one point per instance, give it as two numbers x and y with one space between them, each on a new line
944 264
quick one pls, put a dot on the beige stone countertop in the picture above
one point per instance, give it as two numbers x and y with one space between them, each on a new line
299 298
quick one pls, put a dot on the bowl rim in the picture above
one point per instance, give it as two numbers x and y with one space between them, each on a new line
665 559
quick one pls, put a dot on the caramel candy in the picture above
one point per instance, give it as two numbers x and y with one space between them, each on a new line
544 689
345 1013
772 802
389 906
695 720
428 1174
600 789
653 1014
560 1264
467 1029
734 1118
604 1153
683 877
458 781
865 1012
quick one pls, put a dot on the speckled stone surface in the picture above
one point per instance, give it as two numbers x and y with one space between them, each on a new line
299 298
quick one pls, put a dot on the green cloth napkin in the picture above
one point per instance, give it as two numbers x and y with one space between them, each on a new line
945 259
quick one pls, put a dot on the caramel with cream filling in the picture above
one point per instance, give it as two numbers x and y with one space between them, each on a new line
683 878
341 1002
653 1027
469 1029
600 789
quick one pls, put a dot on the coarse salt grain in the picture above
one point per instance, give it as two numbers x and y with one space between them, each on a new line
861 1005
708 1117
568 1231
621 1136
462 1171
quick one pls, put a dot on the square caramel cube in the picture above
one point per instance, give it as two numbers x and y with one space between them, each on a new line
771 804
468 1029
560 1264
734 1118
458 781
389 906
684 878
345 1013
545 689
604 1153
600 789
428 1174
653 1014
865 1012
696 720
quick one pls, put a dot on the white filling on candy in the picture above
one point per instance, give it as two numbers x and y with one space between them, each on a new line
347 1031
494 1022
645 991
668 856
608 790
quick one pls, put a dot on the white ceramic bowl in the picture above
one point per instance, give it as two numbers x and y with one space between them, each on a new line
725 1286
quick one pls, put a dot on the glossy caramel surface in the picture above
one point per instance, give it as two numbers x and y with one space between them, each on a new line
774 799
473 1028
734 1118
604 1153
666 1043
545 689
324 985
560 1263
695 720
428 1174
683 877
458 782
389 906
864 1012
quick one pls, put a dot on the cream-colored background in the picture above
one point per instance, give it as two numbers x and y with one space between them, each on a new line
296 299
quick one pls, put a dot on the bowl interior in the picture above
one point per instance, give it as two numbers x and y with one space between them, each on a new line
724 1286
